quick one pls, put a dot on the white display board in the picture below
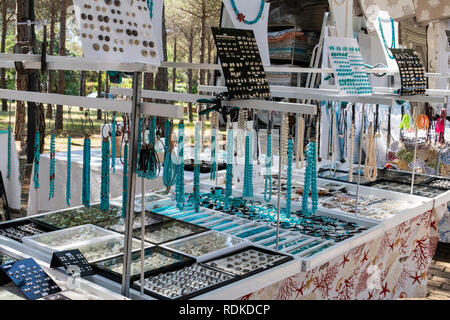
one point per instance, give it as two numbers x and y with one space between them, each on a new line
120 30
250 9
343 16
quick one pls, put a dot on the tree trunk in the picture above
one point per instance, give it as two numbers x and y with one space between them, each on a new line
51 73
210 49
99 93
82 85
21 80
174 70
62 52
203 41
2 50
162 77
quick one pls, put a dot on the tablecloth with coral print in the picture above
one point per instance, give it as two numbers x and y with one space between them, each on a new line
392 266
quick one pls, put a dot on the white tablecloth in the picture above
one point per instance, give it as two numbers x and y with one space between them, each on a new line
38 198
12 185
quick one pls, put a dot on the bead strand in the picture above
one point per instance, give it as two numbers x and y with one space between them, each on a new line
37 155
179 189
229 173
310 182
8 173
197 163
268 177
113 144
52 167
69 164
169 173
86 192
104 197
248 169
289 179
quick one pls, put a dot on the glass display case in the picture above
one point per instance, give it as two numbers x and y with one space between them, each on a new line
78 216
62 239
156 260
168 231
118 224
206 245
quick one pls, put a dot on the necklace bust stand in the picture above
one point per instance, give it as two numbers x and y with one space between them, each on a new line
386 36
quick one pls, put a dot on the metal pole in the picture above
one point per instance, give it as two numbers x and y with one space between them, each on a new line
132 159
142 232
359 161
414 160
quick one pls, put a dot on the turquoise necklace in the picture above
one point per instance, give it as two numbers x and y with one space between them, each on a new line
150 8
268 176
179 189
169 174
241 17
52 167
310 183
229 173
289 179
8 173
37 156
214 127
197 147
105 180
125 166
87 127
113 143
384 40
248 169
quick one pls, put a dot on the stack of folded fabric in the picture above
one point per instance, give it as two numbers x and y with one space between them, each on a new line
283 44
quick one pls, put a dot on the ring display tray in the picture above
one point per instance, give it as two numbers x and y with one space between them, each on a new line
78 216
248 261
244 73
67 238
185 283
73 261
5 259
168 231
16 230
31 279
156 260
205 166
412 72
118 224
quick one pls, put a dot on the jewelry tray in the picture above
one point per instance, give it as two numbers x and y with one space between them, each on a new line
101 267
118 224
16 224
205 166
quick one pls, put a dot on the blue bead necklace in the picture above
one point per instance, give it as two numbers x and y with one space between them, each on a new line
150 8
197 163
213 173
169 174
179 189
113 143
229 173
384 40
52 167
69 164
37 155
248 169
241 17
139 146
86 191
310 183
289 179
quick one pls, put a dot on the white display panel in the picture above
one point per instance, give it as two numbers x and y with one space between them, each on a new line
119 30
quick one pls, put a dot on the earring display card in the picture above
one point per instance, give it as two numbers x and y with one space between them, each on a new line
117 30
243 70
73 261
348 66
412 72
31 279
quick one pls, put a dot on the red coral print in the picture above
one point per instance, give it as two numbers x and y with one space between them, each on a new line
246 297
432 245
356 252
323 282
346 290
420 253
287 289
362 282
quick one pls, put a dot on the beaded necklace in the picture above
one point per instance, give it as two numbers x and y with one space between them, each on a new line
289 179
37 155
8 173
268 176
214 127
284 137
105 180
169 174
126 127
240 137
113 143
300 141
241 17
87 127
310 183
370 164
52 167
248 169
150 8
384 40
179 189
352 144
69 127
229 173
197 163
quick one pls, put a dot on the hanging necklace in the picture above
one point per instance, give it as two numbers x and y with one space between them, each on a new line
150 8
242 127
51 194
214 127
197 163
268 176
241 17
284 137
179 189
113 143
169 174
87 127
310 183
230 155
248 169
370 164
8 173
105 180
384 40
289 179
352 145
69 127
300 141
333 141
126 130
